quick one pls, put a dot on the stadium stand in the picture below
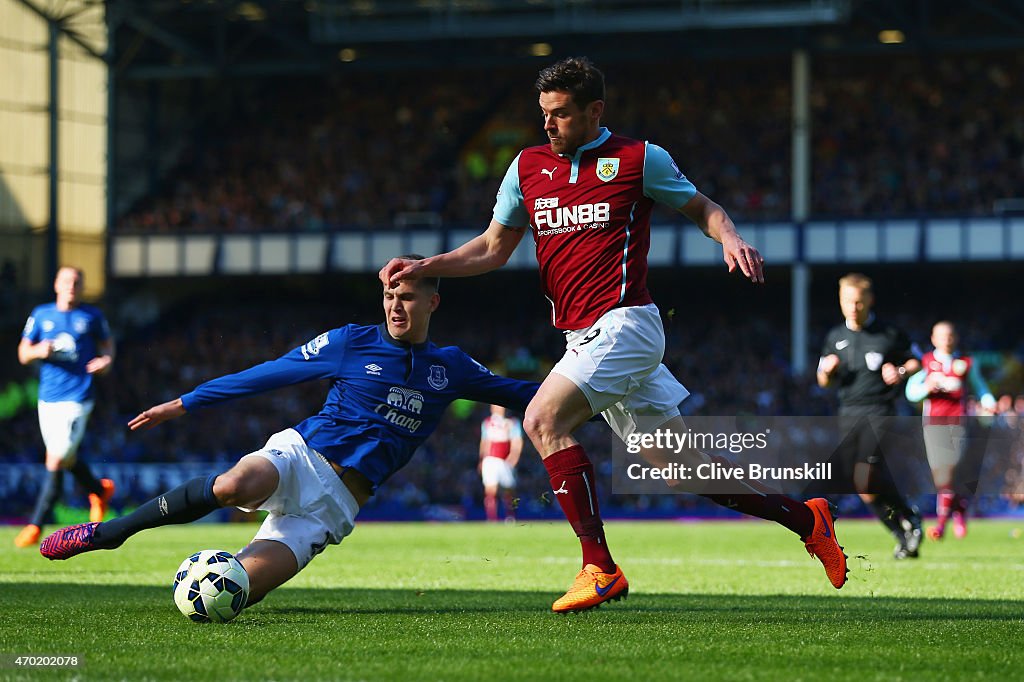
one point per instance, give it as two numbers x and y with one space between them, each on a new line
729 351
298 156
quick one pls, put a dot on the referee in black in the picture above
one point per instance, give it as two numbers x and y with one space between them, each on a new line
869 361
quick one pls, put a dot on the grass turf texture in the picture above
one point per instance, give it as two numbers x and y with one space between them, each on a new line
733 600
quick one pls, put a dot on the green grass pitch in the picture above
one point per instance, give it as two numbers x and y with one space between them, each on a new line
722 601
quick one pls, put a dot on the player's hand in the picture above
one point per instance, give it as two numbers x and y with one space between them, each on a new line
932 383
890 375
155 415
99 365
398 269
738 253
44 350
829 364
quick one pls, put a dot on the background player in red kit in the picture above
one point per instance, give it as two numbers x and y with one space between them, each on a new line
943 384
501 443
587 197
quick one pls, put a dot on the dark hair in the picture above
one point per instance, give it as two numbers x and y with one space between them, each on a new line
575 75
433 283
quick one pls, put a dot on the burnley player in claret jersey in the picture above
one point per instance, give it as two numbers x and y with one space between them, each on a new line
587 197
945 381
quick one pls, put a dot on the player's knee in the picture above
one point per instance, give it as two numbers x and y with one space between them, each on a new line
231 489
245 486
538 425
61 459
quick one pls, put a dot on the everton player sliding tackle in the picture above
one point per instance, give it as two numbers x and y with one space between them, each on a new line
390 387
587 197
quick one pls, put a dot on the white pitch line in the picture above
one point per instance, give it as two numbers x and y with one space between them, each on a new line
782 563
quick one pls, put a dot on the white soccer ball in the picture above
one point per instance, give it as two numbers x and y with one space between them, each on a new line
211 586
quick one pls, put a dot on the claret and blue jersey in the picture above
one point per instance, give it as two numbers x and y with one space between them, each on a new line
590 215
386 398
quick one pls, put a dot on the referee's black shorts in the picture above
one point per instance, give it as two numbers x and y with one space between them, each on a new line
864 429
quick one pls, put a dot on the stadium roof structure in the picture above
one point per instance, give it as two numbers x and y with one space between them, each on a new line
181 39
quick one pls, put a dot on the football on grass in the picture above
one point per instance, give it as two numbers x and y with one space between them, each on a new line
211 586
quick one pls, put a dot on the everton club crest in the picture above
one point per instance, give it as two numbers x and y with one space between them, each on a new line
607 169
437 378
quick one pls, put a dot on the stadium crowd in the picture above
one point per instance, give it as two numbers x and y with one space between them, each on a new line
734 361
304 156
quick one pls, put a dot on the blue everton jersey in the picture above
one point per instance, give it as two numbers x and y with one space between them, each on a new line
387 396
75 335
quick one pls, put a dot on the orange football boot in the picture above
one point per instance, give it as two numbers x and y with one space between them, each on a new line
822 542
98 503
28 537
592 588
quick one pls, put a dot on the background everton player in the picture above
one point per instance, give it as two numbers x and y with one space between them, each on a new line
390 387
71 340
587 197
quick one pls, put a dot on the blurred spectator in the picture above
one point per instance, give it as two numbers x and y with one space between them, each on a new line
891 136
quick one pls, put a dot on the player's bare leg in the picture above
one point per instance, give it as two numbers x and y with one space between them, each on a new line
944 498
269 564
247 484
558 409
491 502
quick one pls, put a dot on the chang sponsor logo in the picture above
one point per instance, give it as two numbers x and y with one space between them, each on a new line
399 401
65 349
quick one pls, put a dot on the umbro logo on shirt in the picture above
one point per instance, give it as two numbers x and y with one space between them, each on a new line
374 369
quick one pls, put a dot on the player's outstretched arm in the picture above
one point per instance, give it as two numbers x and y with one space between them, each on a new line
485 252
716 223
157 414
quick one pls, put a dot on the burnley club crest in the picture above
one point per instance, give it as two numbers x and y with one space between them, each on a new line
607 169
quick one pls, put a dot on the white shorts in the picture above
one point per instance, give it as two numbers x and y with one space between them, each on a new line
311 508
496 471
63 425
616 362
944 444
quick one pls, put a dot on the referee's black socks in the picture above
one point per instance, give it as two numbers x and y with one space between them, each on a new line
890 508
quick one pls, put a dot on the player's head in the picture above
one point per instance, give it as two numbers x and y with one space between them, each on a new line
944 337
498 410
408 307
572 102
68 285
856 298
